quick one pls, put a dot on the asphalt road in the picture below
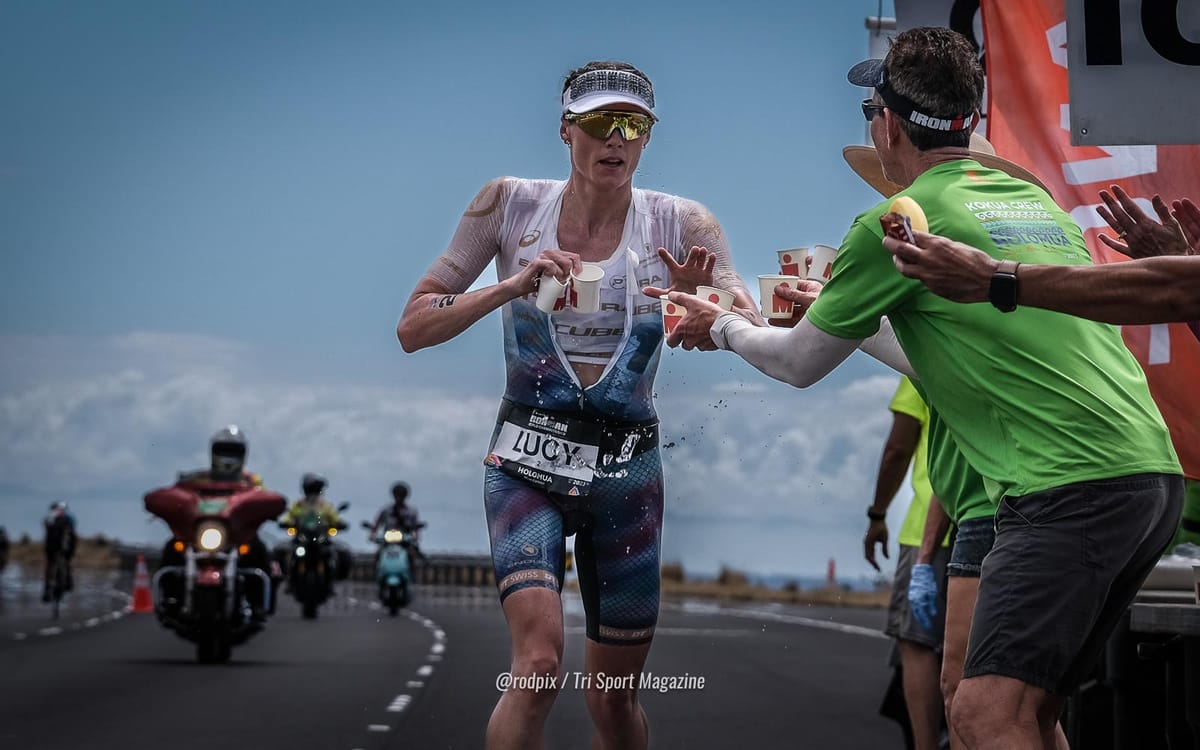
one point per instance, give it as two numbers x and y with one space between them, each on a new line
775 677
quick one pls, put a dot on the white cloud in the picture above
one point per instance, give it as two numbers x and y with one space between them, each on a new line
104 420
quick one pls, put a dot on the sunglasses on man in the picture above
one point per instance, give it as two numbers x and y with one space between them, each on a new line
870 109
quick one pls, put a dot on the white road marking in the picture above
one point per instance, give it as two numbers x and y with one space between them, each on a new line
439 635
425 670
759 614
19 636
378 728
91 622
434 657
414 684
50 631
437 648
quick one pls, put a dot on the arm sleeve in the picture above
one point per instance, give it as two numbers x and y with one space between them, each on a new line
802 355
700 228
476 241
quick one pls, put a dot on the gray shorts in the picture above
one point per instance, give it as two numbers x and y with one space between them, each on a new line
900 621
1066 564
973 539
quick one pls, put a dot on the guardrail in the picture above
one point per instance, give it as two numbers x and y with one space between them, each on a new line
437 569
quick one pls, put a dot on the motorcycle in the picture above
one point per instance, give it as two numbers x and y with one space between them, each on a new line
313 561
205 599
393 571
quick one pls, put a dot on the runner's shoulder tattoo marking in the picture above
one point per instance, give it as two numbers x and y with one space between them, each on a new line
480 205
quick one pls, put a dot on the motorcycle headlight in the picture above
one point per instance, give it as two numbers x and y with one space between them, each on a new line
211 537
332 531
300 552
393 536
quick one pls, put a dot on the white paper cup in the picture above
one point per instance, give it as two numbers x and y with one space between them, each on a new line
716 295
585 288
773 306
551 294
821 266
791 262
672 314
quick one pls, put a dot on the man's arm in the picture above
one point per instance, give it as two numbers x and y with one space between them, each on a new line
937 523
898 452
1150 290
1153 290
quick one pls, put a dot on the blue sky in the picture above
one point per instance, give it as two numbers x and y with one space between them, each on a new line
214 212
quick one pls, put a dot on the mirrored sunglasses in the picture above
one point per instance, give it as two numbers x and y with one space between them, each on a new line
601 123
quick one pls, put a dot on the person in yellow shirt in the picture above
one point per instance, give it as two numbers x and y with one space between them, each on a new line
313 504
918 645
314 507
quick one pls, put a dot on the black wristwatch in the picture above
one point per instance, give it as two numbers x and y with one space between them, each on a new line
1002 292
876 515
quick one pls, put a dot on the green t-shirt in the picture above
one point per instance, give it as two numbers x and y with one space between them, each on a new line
1034 399
959 487
908 401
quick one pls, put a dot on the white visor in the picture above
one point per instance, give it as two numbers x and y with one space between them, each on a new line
597 89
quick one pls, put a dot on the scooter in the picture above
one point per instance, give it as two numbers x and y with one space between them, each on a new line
393 570
312 565
204 598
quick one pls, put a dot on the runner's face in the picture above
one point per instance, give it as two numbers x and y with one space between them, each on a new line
609 162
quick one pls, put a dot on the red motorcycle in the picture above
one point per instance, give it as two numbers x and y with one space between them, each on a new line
205 591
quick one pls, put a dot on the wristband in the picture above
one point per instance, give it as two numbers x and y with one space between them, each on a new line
876 515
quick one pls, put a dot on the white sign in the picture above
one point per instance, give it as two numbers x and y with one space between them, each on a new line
1134 71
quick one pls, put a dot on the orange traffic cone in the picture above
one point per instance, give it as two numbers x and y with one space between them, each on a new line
142 601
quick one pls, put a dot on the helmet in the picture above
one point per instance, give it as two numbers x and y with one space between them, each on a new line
229 450
58 507
312 484
400 491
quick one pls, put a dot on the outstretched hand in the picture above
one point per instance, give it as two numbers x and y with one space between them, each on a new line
801 297
950 269
692 331
696 270
1188 216
1138 235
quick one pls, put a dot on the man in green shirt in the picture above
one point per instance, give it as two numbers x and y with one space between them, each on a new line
918 639
1052 411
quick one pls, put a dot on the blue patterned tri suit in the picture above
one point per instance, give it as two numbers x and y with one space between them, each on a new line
566 459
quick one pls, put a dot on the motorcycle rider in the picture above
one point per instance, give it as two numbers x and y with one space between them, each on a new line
228 449
399 515
60 536
314 504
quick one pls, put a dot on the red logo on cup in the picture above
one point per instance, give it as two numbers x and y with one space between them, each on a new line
780 305
789 264
672 314
714 298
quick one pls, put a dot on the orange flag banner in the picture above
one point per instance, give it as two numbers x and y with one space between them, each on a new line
1028 121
